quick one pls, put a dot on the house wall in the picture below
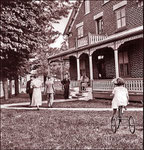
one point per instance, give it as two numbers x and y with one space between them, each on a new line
136 59
134 18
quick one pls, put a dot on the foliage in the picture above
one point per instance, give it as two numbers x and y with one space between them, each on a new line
26 27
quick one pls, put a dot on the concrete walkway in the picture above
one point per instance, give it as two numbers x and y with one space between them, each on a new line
25 106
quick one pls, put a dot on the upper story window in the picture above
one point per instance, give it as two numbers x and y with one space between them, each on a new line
99 25
121 17
124 64
87 6
105 1
140 3
80 29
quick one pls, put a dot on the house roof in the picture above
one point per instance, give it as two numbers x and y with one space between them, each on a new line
72 17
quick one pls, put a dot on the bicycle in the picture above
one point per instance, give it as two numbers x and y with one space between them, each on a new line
117 120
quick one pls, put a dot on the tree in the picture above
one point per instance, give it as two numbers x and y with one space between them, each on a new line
25 28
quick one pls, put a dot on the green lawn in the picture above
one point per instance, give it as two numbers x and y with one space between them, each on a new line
55 129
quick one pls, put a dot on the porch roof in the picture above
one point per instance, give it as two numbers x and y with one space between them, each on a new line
113 38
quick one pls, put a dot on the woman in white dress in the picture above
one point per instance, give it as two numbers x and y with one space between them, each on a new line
37 95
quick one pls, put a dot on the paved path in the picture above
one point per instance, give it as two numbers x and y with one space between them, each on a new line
25 106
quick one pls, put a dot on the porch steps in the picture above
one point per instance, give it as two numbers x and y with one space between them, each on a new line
81 95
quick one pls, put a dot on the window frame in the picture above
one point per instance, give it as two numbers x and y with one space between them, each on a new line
87 6
99 26
124 67
120 17
80 31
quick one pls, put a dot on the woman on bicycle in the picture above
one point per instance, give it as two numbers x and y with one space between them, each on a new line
120 95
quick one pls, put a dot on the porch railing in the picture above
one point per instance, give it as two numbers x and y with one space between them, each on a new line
74 84
82 41
133 85
95 38
89 39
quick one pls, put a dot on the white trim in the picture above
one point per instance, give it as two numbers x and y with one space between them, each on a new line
106 1
121 4
87 6
98 15
80 24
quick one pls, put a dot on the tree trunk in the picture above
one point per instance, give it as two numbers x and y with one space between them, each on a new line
16 86
5 88
10 88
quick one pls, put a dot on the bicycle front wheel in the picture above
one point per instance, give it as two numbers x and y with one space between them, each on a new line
113 124
131 124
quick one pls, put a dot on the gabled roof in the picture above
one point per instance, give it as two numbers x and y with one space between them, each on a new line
72 17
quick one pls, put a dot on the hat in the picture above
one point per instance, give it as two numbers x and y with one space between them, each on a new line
118 81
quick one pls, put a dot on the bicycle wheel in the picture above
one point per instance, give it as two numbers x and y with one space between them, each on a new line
118 121
113 125
131 124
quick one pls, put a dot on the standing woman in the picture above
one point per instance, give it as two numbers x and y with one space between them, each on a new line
49 90
37 95
66 83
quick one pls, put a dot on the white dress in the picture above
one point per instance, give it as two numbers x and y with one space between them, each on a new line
37 95
120 97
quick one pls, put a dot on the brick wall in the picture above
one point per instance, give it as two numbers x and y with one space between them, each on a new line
136 59
134 18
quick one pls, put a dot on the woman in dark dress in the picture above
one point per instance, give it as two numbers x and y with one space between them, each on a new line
66 83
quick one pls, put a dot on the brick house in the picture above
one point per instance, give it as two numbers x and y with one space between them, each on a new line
105 40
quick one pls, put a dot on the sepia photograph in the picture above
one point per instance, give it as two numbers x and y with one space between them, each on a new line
71 74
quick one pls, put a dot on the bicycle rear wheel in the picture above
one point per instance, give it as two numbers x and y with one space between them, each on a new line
113 124
131 124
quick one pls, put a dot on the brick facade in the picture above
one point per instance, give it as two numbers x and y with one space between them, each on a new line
134 18
136 59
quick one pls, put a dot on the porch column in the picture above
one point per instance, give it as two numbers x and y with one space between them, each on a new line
62 70
78 69
49 68
91 67
116 62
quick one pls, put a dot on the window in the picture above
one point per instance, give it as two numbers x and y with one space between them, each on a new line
123 64
99 25
80 31
87 6
140 3
105 1
121 17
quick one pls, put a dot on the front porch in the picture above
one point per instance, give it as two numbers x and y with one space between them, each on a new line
105 58
102 88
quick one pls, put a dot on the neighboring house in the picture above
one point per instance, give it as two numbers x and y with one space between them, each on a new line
106 41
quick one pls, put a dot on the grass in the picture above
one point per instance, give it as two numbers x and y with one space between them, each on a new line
51 129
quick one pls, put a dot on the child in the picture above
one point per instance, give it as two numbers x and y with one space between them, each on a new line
120 95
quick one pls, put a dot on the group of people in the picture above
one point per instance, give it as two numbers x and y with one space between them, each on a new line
119 93
34 85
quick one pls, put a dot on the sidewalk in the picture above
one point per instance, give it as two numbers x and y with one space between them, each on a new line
25 106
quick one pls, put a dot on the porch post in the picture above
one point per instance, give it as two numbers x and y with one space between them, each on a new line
62 70
78 69
91 67
49 68
116 62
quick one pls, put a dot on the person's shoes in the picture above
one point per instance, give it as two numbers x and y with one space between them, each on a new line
37 107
